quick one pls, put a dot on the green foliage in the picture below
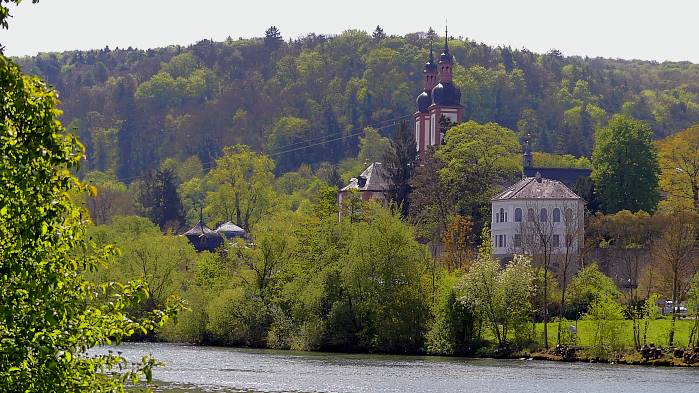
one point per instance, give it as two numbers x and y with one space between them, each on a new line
501 299
240 187
144 106
399 162
607 315
626 169
51 315
382 273
147 255
372 146
588 285
549 160
477 159
451 331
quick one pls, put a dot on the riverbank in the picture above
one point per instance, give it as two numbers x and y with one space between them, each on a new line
630 358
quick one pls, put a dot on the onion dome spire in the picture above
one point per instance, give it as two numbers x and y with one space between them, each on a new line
445 57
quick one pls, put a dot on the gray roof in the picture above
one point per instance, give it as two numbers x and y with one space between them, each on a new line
537 188
374 178
229 227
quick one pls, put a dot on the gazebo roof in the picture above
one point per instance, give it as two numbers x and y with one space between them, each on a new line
229 227
199 230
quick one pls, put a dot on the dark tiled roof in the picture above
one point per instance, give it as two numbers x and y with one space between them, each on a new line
200 230
537 188
374 178
203 238
568 176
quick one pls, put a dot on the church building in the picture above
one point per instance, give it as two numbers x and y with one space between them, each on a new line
440 97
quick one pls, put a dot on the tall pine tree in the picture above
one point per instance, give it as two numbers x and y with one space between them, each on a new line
400 163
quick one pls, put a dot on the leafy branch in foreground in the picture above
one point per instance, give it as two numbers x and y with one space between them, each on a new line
50 314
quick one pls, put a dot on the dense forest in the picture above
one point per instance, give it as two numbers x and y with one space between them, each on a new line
307 100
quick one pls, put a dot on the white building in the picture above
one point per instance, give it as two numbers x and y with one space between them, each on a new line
538 216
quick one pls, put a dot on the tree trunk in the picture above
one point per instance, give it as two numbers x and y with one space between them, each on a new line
546 303
671 338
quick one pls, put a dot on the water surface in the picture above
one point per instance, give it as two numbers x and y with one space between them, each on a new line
214 369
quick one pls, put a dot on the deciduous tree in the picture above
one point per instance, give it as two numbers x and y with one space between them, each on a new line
625 166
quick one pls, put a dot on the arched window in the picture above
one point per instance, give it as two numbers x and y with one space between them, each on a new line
531 216
556 215
518 215
502 215
543 215
569 214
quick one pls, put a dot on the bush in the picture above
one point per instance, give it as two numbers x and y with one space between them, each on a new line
236 318
608 316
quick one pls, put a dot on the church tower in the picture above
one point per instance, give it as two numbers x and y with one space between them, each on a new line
439 98
424 100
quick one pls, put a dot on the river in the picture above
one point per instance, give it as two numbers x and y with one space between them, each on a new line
214 369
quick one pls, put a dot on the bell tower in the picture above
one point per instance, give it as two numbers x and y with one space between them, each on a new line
446 97
424 100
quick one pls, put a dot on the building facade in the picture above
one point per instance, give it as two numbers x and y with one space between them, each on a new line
539 217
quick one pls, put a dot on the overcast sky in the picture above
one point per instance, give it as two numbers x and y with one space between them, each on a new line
641 29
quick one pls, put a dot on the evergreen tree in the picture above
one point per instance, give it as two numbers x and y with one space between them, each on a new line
400 162
378 34
273 38
160 199
626 168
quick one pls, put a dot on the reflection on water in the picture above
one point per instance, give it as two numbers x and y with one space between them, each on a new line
213 369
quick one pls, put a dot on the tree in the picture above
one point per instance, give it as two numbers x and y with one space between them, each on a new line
110 198
51 314
378 34
431 204
537 239
241 185
372 146
588 285
160 199
400 164
458 241
607 315
625 166
146 254
675 254
477 159
273 38
679 160
383 277
500 298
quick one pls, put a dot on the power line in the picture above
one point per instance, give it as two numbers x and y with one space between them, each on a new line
292 147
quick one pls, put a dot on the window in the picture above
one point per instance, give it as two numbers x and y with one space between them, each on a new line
517 240
500 241
502 215
531 215
518 215
556 241
543 215
569 215
556 215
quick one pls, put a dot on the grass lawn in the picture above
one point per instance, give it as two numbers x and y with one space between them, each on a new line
658 331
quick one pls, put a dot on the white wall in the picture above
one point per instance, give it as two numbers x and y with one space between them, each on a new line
509 228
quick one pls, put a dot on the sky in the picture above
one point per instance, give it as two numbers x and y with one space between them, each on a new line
640 29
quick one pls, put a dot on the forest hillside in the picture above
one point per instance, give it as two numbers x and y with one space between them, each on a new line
307 100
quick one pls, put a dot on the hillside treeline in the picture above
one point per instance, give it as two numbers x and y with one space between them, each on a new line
307 100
